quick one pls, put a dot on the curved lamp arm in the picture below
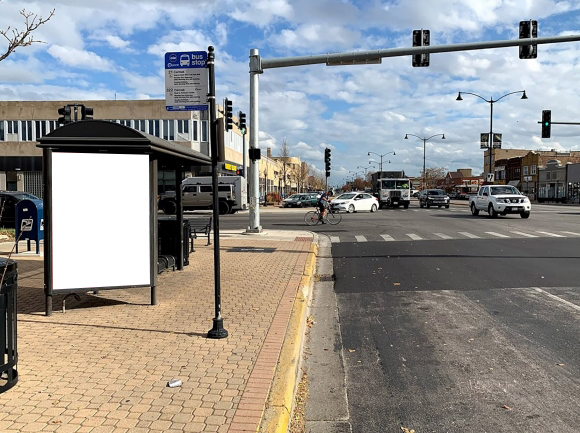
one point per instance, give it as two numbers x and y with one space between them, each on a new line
524 96
459 98
426 139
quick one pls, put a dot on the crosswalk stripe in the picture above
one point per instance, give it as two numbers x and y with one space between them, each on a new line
443 236
572 233
414 236
361 238
524 234
335 239
469 235
387 237
550 234
499 235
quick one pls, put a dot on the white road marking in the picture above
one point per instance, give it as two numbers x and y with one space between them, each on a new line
361 238
469 235
387 237
572 233
415 237
443 236
335 239
557 298
550 234
524 234
499 235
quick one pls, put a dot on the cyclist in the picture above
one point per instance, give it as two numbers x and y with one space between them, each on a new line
323 206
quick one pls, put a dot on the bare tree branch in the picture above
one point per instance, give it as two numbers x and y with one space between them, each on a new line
23 38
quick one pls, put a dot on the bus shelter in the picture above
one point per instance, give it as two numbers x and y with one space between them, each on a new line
100 206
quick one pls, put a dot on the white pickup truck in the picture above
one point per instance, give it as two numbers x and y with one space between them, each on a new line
500 200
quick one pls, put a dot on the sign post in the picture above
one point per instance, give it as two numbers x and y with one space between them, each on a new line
190 86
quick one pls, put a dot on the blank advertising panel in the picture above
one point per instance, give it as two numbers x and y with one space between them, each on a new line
100 220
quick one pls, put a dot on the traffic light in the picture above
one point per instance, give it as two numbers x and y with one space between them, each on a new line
86 113
327 161
421 38
528 29
240 172
242 119
65 115
228 114
546 123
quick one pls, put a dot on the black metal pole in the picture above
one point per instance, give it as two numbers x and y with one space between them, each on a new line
490 134
217 331
47 200
424 173
179 217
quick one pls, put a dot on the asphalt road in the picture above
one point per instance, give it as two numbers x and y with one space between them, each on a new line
450 323
439 321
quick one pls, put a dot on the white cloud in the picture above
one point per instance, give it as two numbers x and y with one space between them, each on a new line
262 12
316 35
117 42
79 58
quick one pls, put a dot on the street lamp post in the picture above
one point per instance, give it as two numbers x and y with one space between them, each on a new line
381 156
425 140
490 101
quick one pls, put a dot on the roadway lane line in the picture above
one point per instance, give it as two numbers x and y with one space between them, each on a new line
442 236
335 239
550 234
469 235
499 235
361 238
415 237
387 238
557 298
572 233
524 234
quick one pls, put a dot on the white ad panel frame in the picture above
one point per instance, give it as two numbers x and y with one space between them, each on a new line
100 218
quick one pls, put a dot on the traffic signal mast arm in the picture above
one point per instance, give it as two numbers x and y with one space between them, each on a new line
562 123
258 64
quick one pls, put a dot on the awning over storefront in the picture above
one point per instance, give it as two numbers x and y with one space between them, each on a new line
514 183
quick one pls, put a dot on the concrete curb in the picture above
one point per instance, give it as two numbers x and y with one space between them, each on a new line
280 403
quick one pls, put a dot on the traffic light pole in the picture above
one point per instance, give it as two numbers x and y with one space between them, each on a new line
257 66
254 175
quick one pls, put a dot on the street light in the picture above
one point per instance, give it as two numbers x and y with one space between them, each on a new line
490 102
425 140
381 156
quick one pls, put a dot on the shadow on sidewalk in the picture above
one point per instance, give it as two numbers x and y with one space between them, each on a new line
31 301
121 328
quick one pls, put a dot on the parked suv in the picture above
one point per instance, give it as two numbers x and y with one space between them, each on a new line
8 200
433 197
199 197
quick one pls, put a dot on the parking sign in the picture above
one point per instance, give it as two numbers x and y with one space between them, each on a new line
186 81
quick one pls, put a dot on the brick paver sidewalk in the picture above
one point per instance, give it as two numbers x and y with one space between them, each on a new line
103 366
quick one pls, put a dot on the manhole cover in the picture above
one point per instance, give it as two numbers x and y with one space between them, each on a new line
251 250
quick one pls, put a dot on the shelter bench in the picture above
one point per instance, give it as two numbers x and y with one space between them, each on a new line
199 227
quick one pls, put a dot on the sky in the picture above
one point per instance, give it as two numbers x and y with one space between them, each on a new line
98 50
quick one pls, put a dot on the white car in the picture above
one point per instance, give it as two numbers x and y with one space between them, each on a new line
500 200
354 202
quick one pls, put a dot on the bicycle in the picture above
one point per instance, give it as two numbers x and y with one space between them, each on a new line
313 217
